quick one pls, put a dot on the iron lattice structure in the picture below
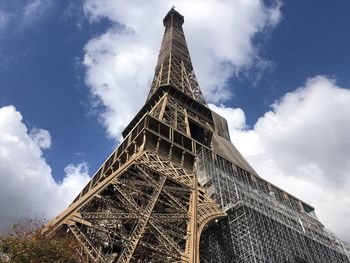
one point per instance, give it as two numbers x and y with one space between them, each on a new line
177 190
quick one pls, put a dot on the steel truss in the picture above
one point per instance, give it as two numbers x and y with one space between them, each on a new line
177 190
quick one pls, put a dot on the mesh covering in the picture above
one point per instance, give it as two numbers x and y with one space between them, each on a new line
260 227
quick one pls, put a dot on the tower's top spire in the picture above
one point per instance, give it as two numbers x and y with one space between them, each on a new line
174 66
173 16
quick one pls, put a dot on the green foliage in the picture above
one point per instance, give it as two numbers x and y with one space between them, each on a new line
26 244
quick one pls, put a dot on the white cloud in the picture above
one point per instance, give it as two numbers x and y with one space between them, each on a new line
27 187
245 140
41 137
21 14
34 7
76 177
302 145
120 63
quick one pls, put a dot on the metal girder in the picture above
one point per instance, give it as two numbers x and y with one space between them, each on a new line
145 203
160 233
89 248
137 233
177 173
159 251
169 217
127 197
123 216
103 216
146 196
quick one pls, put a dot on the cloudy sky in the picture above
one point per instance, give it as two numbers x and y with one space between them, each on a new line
73 73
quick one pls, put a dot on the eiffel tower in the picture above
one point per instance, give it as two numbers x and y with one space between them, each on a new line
177 190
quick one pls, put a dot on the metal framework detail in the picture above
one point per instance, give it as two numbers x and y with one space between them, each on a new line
177 190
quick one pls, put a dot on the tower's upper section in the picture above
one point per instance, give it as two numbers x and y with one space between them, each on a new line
173 16
174 66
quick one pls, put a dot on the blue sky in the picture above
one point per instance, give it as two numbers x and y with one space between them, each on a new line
80 70
311 39
42 77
